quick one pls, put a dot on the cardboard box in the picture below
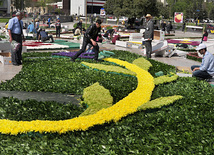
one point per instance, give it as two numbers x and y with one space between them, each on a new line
5 58
123 43
135 37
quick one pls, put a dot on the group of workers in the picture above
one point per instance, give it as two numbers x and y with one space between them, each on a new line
166 27
40 32
204 71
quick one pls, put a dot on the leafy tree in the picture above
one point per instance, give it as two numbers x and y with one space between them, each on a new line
163 11
17 4
131 8
211 13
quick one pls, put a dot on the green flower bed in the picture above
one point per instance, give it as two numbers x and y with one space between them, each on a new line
4 20
14 109
193 57
83 25
3 37
185 127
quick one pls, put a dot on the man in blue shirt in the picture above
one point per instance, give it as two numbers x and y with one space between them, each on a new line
15 30
206 69
31 28
49 22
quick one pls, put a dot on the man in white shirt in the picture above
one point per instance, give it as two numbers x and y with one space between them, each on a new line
206 69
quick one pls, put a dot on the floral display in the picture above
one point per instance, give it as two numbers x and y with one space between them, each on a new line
32 45
128 105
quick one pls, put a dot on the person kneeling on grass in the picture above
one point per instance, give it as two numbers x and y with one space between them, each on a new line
44 36
206 69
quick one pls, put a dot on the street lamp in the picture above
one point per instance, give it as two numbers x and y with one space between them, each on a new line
22 5
92 10
86 14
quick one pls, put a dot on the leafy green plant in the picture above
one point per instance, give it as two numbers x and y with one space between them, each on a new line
97 98
192 57
14 109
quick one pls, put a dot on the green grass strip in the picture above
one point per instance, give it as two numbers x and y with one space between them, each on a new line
109 68
4 20
165 79
142 63
159 102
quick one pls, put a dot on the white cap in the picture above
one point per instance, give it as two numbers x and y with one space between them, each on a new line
201 46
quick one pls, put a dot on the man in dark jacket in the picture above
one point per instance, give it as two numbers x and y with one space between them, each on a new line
90 37
79 25
149 35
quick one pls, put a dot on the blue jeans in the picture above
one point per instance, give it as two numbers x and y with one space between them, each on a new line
199 73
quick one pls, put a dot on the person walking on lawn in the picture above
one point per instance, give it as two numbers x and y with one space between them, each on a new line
58 28
90 37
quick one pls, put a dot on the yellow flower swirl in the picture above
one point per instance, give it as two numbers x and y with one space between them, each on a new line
127 105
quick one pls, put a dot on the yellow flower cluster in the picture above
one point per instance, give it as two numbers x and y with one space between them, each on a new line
127 105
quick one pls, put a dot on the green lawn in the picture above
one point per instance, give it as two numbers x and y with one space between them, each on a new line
4 20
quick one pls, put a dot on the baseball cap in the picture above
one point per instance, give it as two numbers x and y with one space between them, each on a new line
201 46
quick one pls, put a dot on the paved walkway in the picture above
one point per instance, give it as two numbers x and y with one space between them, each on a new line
42 96
7 72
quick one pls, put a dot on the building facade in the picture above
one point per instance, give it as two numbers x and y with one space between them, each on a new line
5 6
66 6
84 7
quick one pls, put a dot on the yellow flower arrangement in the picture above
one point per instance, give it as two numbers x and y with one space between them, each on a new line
128 105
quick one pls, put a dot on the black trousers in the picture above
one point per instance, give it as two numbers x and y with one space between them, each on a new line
148 45
57 31
84 45
17 54
43 39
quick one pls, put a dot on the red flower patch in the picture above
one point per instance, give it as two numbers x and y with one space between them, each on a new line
34 44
